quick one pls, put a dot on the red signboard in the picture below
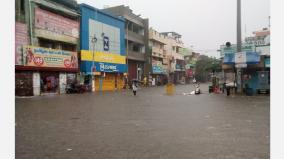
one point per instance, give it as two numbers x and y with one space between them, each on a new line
21 38
55 23
189 73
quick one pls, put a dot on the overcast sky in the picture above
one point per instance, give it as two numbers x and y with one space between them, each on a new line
203 24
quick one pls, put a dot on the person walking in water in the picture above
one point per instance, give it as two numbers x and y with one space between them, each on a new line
134 88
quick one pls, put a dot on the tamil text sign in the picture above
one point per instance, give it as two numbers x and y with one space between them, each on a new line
43 57
54 26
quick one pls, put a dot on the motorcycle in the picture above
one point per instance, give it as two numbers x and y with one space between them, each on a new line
73 88
197 89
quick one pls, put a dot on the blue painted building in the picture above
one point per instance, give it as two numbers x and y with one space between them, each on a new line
103 60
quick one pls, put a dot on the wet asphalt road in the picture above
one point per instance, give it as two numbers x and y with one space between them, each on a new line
152 125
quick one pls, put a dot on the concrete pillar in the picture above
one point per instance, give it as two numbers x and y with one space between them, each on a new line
36 83
62 83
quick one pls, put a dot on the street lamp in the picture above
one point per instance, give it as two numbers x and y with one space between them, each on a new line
94 40
127 51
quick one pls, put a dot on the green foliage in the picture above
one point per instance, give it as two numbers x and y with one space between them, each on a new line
204 66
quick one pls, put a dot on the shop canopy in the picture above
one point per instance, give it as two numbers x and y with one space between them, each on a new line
242 57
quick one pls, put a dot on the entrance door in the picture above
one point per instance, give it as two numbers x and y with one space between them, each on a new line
49 82
24 83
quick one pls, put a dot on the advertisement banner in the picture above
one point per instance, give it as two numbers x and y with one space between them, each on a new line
21 38
44 57
48 23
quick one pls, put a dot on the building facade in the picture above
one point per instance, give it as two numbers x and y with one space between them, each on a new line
160 62
136 41
254 62
176 65
47 41
103 56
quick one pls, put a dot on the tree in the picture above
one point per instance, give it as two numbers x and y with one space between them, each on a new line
205 66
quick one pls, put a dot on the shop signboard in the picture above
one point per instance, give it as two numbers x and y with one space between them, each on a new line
229 59
263 50
108 37
233 49
110 67
240 57
44 57
102 57
157 69
252 57
56 27
267 62
178 67
241 65
21 38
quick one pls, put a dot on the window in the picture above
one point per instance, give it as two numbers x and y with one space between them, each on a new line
22 7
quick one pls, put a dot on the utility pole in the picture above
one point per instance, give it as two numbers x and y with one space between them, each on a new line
239 46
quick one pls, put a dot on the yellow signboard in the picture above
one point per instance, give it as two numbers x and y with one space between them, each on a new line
87 55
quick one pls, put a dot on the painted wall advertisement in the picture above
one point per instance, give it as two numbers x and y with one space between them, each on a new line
53 26
43 57
21 38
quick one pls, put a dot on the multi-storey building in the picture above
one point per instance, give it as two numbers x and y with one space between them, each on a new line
47 40
136 39
103 60
176 63
160 62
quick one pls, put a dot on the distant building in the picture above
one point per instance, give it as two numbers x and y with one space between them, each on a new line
176 63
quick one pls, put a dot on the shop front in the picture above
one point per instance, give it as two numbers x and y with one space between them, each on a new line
101 74
159 74
103 61
49 69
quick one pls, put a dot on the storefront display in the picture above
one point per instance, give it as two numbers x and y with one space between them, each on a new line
49 82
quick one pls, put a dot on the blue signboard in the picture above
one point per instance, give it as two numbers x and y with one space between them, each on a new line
178 67
86 66
251 58
157 69
229 59
267 62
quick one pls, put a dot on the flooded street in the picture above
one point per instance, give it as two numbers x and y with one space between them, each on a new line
151 125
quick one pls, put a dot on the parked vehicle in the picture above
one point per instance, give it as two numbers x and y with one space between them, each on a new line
76 88
197 89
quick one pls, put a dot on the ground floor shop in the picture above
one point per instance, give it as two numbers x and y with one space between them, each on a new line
178 77
158 79
32 83
105 81
256 81
135 69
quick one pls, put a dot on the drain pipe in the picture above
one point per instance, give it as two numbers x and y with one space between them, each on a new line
30 21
